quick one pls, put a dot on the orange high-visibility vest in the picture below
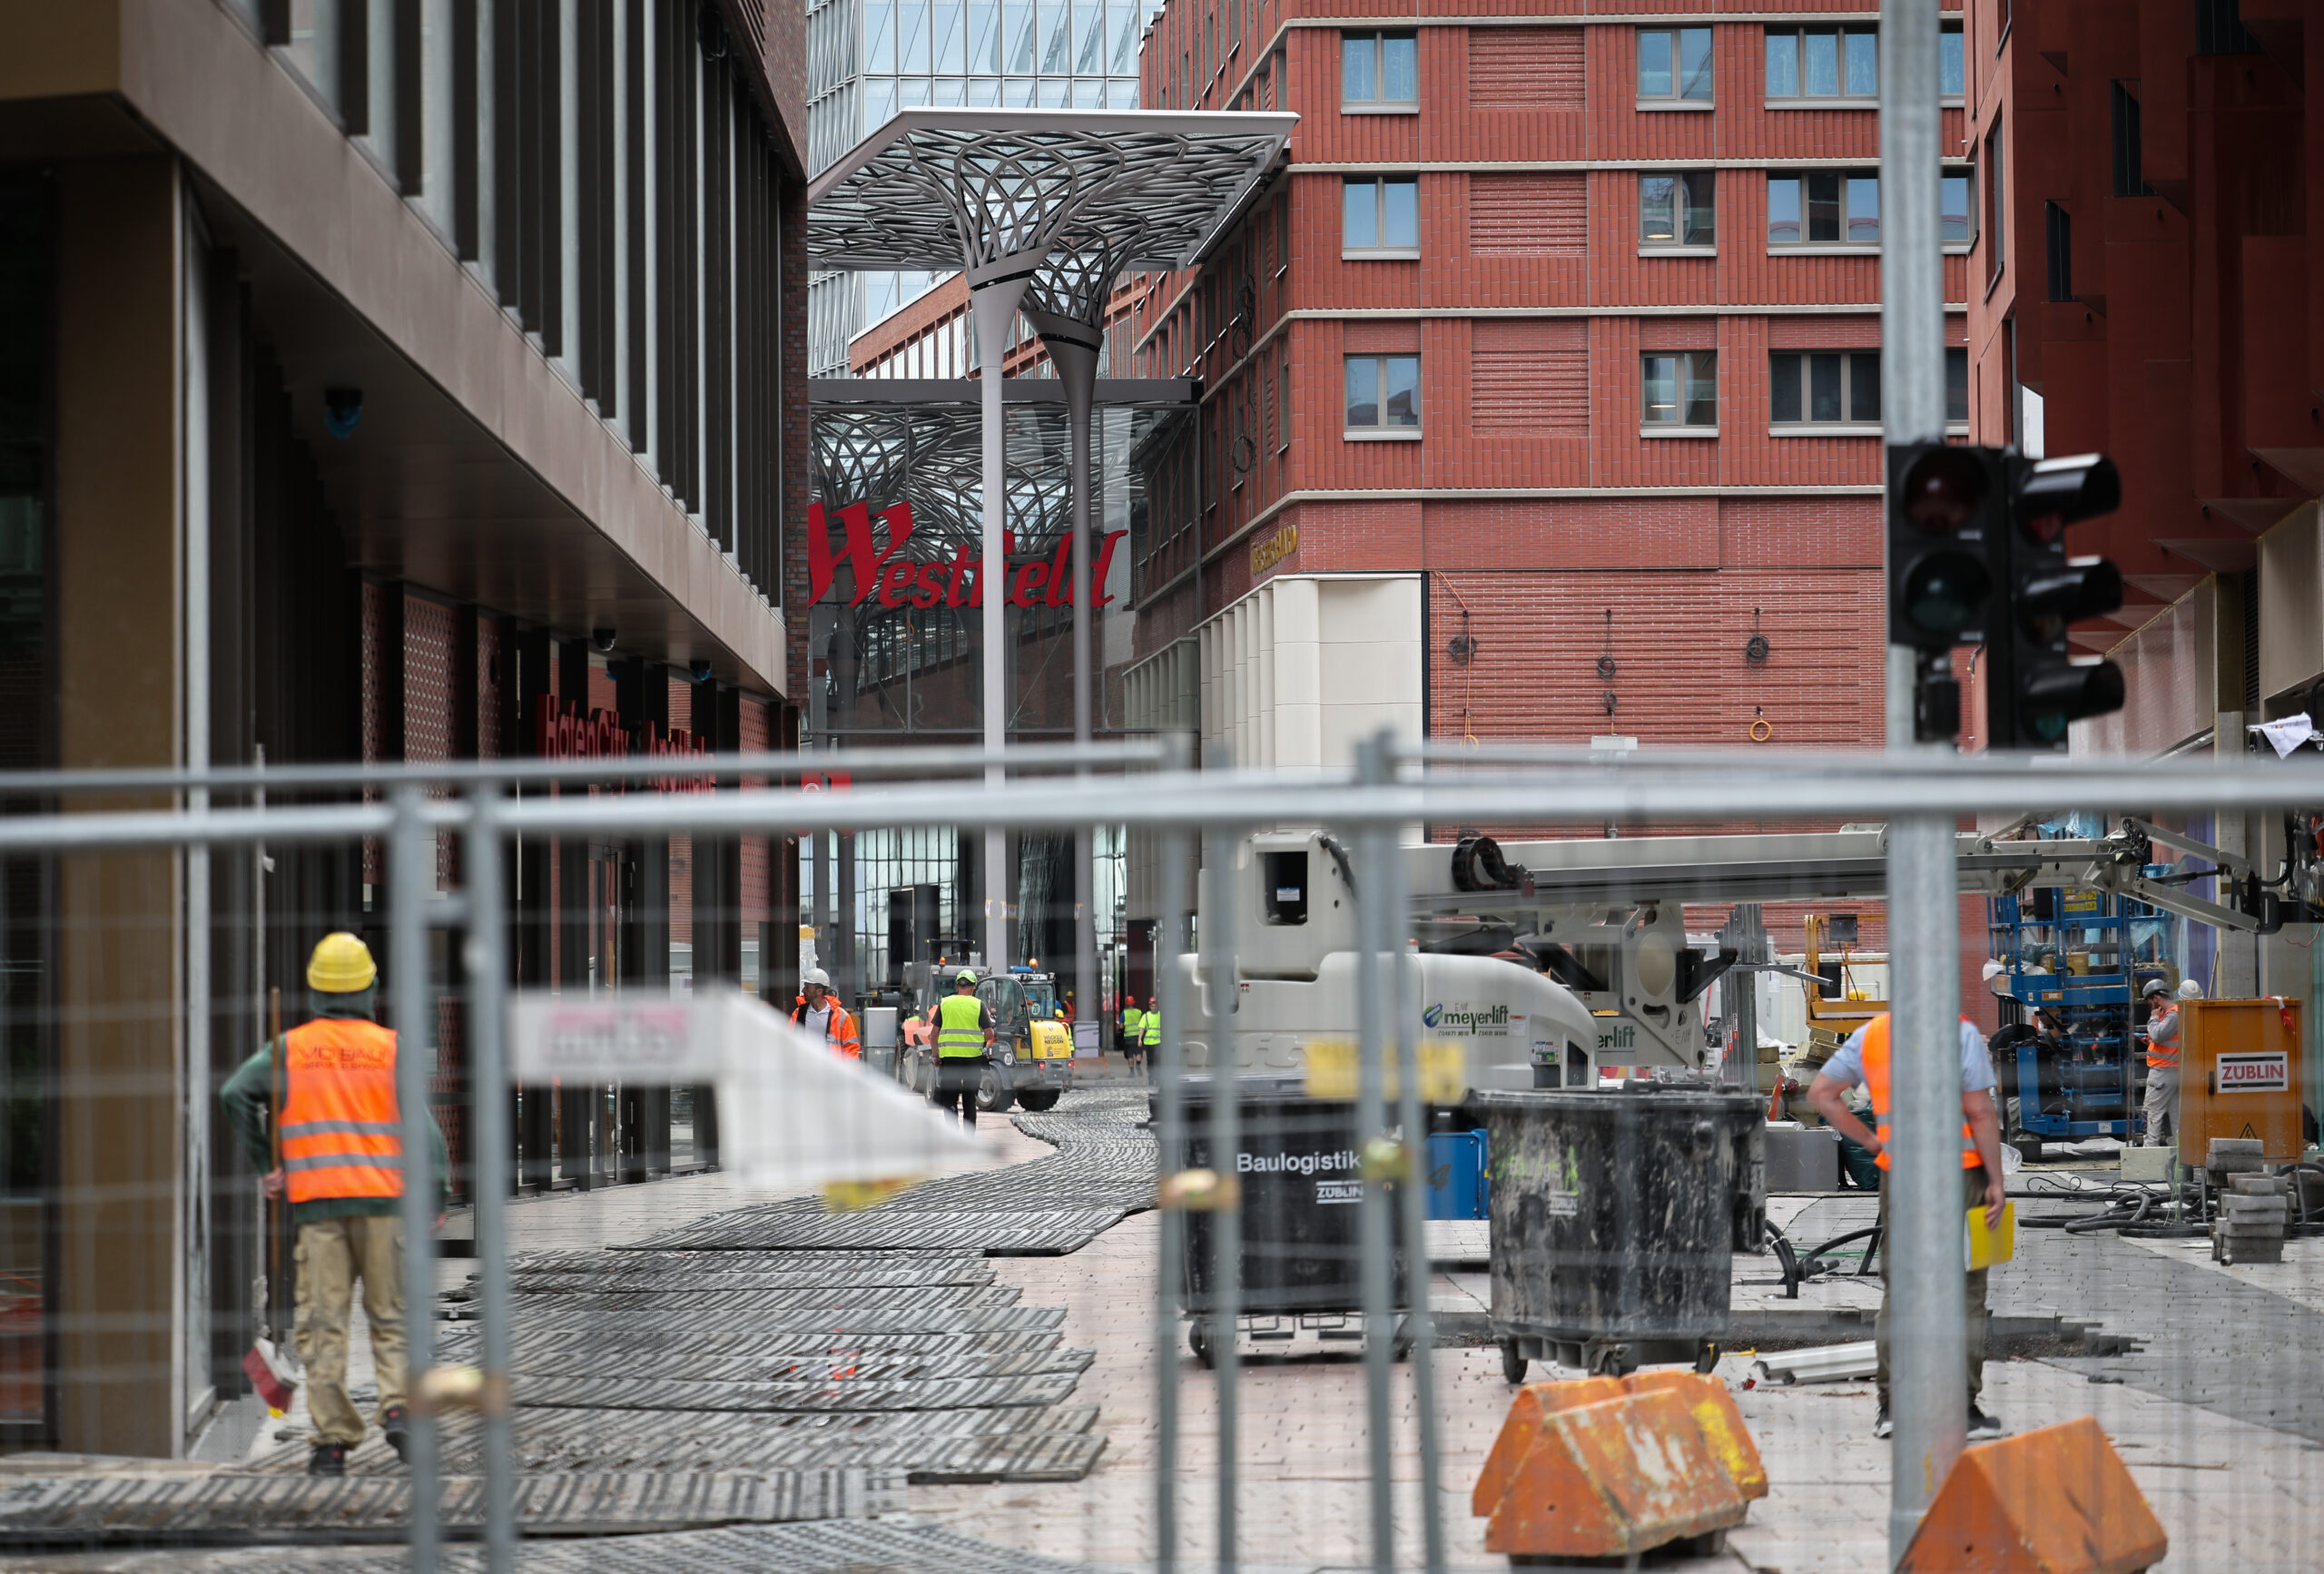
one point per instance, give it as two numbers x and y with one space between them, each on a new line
1875 1083
2165 1055
341 1134
840 1031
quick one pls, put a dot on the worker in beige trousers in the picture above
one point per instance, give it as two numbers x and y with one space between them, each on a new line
341 1139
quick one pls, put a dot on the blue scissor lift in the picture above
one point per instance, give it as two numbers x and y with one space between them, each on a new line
2087 1088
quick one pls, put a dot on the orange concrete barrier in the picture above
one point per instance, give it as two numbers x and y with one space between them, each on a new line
1604 1466
2057 1501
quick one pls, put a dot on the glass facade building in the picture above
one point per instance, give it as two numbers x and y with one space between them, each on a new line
866 59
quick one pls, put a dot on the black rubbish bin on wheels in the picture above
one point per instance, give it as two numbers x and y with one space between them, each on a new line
1613 1224
1301 1265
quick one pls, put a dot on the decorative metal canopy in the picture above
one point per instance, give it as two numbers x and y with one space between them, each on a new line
879 452
975 188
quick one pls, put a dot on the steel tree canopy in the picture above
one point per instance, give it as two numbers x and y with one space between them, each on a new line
978 188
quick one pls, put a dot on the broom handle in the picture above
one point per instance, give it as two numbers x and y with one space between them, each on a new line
274 1139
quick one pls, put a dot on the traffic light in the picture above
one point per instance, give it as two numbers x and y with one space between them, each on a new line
1944 507
2034 688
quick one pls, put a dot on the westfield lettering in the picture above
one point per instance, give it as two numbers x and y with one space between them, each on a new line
883 574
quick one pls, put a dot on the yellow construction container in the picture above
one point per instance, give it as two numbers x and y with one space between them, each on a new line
2240 1076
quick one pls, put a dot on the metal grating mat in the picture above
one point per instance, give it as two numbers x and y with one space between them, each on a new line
245 1507
604 1439
831 1546
643 1344
848 1394
675 1296
757 1330
580 1359
1002 1231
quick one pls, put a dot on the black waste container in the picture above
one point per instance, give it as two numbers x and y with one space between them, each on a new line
1613 1222
1302 1207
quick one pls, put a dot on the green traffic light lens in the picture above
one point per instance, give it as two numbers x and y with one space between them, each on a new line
1945 592
2047 725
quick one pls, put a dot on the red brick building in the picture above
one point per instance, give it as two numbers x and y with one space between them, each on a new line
1577 319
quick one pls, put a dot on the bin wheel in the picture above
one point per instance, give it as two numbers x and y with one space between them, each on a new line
2029 1149
1198 1341
1706 1358
1512 1364
1038 1099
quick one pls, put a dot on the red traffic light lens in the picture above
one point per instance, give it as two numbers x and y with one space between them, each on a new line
1942 489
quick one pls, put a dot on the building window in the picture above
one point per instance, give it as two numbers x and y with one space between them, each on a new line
1825 388
1283 402
1824 65
1382 393
1678 211
2130 148
1952 79
1993 204
1380 219
1953 212
1956 386
1379 71
2061 224
1673 66
1835 208
1681 391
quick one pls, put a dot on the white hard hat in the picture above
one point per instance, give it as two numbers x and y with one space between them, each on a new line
1995 969
2190 990
815 976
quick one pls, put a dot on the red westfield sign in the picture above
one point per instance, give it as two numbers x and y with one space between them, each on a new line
898 581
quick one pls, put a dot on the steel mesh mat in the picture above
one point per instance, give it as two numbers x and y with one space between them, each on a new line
926 1446
679 1299
245 1507
756 1330
829 1546
850 1394
577 1358
996 1229
756 1271
643 1344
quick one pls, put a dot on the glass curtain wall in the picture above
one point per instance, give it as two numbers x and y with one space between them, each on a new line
867 59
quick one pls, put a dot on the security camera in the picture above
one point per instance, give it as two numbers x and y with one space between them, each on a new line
699 672
342 408
603 639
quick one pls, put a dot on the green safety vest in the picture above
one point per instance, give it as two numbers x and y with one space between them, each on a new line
1133 1021
1153 1028
957 1035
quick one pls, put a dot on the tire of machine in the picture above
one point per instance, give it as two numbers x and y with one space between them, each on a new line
1706 1358
1512 1364
992 1098
1198 1341
1038 1099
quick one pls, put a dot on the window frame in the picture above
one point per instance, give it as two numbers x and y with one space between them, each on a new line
1379 253
1797 32
1995 214
1684 374
1805 425
1805 247
1682 204
1378 105
1945 30
1675 99
1380 431
1968 173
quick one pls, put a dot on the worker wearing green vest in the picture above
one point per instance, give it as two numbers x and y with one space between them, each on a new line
963 1048
1133 1028
1150 1031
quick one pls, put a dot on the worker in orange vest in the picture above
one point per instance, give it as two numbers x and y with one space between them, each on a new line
341 1142
820 1013
2162 1106
1865 1058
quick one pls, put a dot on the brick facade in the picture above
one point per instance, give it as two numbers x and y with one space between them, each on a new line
1532 496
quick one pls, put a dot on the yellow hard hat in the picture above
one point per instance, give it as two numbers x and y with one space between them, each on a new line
341 964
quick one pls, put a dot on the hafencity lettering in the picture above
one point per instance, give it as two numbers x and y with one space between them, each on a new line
894 580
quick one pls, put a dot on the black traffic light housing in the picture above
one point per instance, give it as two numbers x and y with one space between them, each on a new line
2034 689
1947 505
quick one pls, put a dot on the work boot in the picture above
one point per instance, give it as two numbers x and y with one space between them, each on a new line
328 1460
1983 1426
1882 1426
391 1424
